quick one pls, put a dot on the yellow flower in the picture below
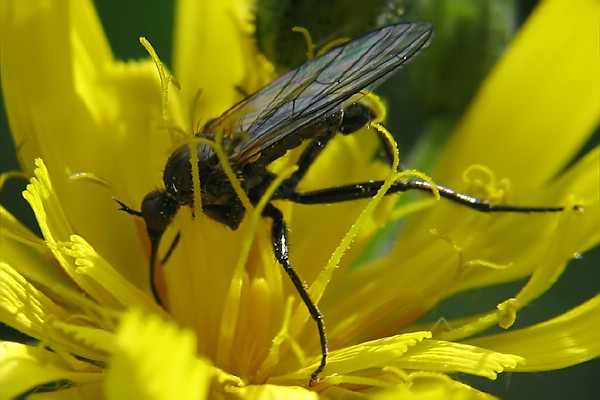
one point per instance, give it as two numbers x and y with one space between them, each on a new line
233 326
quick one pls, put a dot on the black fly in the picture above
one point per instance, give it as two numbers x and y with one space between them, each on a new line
312 102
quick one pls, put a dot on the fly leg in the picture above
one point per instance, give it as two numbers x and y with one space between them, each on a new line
347 121
369 189
307 158
279 238
351 119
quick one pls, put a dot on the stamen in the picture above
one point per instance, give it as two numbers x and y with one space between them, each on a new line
272 359
165 79
507 313
5 176
464 265
88 177
310 45
232 304
318 287
484 179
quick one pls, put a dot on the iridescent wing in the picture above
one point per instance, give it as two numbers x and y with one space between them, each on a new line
317 89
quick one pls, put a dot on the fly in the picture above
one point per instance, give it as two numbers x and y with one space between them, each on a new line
311 103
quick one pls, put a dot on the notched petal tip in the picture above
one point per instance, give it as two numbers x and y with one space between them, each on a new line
561 342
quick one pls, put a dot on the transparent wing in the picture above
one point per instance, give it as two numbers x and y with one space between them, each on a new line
317 89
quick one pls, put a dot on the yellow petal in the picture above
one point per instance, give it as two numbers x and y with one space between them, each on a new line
578 230
50 44
431 386
567 340
573 232
273 392
72 329
539 104
564 235
77 258
347 159
19 246
70 103
449 357
377 353
155 359
374 354
94 391
214 53
25 367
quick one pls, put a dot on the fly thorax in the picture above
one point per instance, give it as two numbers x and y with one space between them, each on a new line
177 176
179 182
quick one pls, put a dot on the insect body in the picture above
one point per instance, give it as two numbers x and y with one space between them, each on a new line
313 102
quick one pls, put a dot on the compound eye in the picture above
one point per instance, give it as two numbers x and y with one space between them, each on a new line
158 210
